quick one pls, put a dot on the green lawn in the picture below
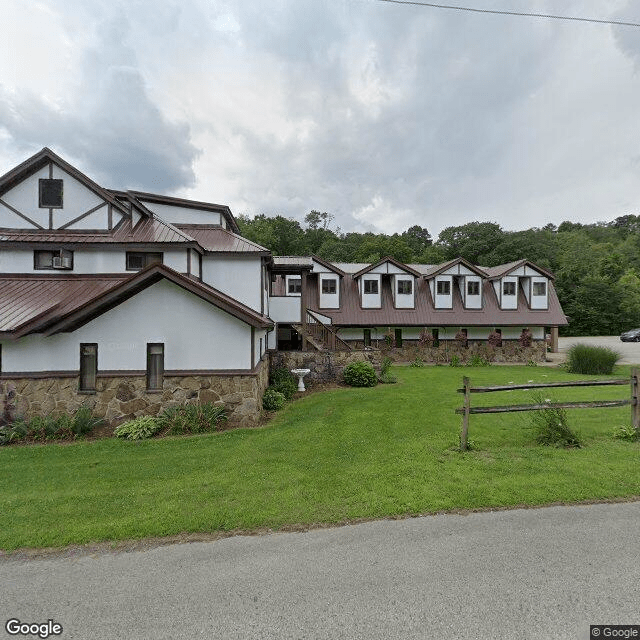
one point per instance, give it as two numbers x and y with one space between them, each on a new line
333 456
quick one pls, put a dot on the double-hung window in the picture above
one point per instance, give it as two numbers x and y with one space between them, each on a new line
371 286
329 285
508 288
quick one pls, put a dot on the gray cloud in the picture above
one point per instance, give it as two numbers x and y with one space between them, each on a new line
109 123
381 114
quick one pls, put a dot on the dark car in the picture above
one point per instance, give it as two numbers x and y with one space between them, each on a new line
633 335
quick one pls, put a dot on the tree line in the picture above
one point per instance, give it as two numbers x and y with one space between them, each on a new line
597 266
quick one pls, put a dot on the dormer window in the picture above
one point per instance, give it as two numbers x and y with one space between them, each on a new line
508 288
473 288
58 259
539 288
444 287
329 285
50 194
371 287
405 287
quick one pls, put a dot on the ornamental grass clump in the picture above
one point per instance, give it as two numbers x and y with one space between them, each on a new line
550 426
192 418
585 359
360 374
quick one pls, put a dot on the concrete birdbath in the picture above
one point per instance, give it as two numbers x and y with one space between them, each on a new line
301 373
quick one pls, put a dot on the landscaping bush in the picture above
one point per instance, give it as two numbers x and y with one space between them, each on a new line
360 374
43 428
582 358
550 426
417 363
626 432
285 382
138 429
273 400
455 361
192 418
477 360
526 338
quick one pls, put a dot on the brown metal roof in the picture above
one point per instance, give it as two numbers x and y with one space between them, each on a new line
29 300
426 315
50 304
219 240
148 230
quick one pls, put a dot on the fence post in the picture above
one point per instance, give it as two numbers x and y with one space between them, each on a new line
465 416
635 403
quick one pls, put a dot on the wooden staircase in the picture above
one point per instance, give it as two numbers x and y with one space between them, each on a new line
320 335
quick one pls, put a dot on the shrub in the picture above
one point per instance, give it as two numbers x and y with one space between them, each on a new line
626 432
360 374
477 360
192 418
526 338
385 365
462 339
273 400
84 421
13 432
550 426
426 338
582 358
495 339
455 361
138 429
417 363
284 381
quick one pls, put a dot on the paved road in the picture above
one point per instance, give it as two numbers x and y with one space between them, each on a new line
630 351
525 574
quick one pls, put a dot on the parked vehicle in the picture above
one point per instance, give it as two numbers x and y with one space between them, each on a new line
633 335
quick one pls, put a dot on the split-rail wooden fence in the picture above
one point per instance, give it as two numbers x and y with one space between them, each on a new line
467 409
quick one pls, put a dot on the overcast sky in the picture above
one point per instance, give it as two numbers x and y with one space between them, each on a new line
384 115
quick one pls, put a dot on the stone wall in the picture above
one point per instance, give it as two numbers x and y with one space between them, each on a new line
121 398
510 351
325 366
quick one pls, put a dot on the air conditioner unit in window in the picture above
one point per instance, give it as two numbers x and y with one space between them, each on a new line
57 262
66 263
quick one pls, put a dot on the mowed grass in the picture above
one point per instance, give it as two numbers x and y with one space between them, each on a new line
329 457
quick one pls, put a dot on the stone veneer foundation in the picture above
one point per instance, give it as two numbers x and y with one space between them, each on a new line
325 366
119 398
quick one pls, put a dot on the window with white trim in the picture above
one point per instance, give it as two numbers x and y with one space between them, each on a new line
539 288
443 287
294 286
405 287
508 288
371 286
473 288
329 285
